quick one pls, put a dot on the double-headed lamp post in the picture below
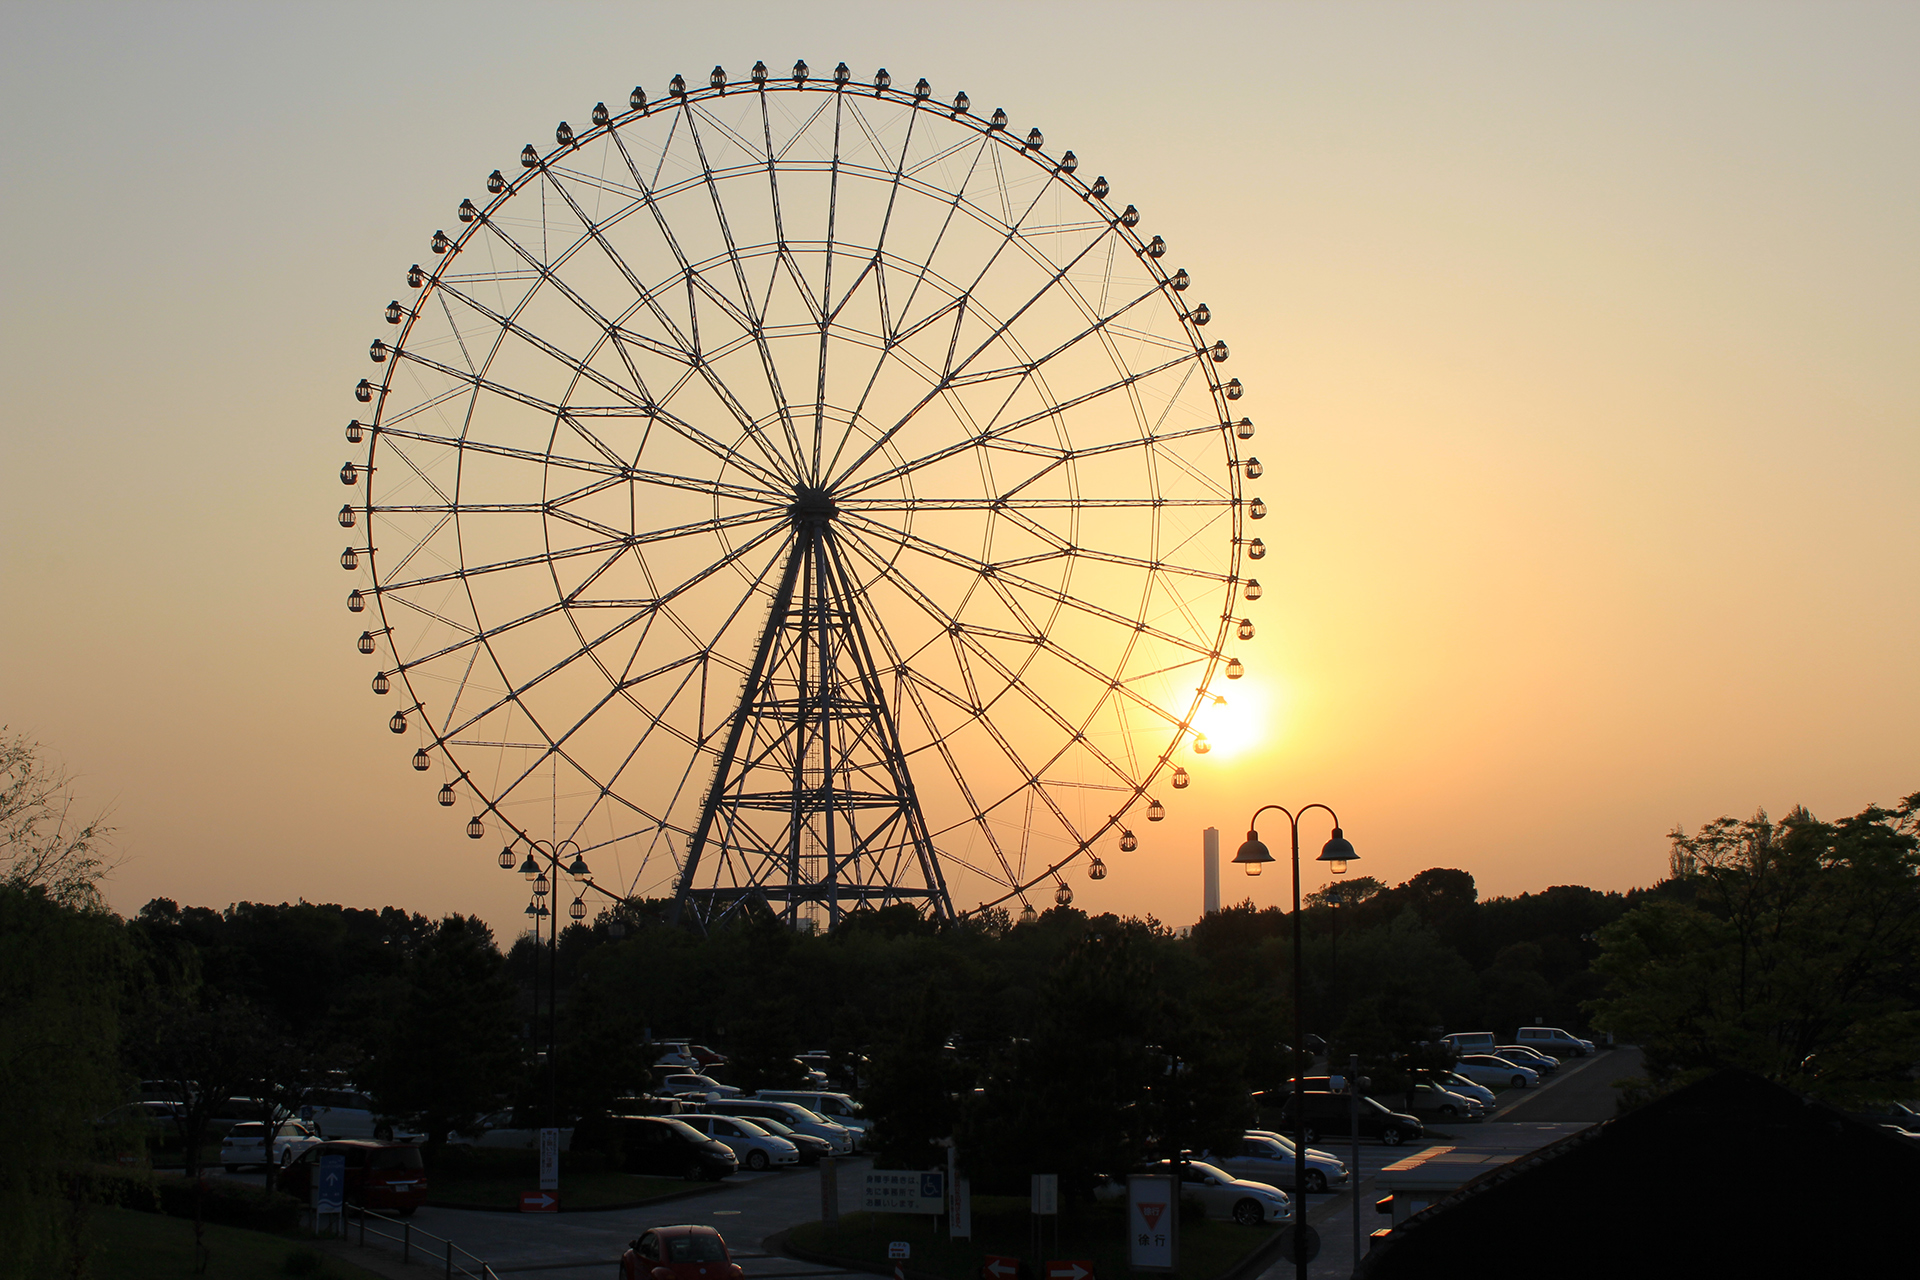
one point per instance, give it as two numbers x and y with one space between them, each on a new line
1253 856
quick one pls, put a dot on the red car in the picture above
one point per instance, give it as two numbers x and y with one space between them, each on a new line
386 1176
679 1253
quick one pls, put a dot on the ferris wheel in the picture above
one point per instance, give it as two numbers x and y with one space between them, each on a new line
802 491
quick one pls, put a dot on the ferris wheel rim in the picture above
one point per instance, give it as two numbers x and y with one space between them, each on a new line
688 100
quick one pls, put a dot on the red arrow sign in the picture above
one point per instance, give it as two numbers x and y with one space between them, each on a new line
1079 1269
1000 1267
539 1202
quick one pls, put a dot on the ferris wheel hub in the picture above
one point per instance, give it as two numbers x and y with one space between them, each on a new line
812 504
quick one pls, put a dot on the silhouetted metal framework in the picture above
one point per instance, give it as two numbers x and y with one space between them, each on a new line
802 490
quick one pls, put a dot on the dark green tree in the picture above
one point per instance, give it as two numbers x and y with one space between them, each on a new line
448 1054
1797 957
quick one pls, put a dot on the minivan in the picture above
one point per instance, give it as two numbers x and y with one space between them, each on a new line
837 1107
388 1176
1553 1040
1465 1042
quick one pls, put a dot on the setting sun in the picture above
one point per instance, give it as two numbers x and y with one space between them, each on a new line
1237 720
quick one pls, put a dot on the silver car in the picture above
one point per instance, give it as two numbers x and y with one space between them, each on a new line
1222 1195
1265 1156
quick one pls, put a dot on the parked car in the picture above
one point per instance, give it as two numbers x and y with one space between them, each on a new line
838 1137
663 1145
694 1082
348 1113
1465 1042
1426 1098
674 1058
247 1143
1466 1087
681 1253
1327 1116
388 1176
837 1107
811 1149
754 1147
499 1130
1222 1195
1265 1156
1561 1044
1487 1068
1534 1060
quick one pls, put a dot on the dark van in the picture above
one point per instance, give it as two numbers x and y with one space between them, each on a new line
658 1145
387 1176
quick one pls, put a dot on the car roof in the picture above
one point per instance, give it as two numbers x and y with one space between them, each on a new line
685 1229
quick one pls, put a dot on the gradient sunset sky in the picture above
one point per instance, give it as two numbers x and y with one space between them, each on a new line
1584 339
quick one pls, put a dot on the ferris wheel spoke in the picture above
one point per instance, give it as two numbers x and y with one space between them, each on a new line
912 682
997 572
705 369
751 322
953 371
1000 436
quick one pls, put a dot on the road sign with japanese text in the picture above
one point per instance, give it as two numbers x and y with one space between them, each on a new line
904 1191
1153 1223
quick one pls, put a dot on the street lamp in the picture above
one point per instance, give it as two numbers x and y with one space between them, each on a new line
1253 856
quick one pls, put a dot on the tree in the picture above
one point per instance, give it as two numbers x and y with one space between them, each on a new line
42 845
1797 957
62 970
913 1096
448 1054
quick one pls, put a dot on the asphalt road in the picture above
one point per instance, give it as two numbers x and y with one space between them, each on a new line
749 1207
1580 1094
746 1209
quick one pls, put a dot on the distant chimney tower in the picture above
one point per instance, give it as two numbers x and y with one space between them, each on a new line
1210 871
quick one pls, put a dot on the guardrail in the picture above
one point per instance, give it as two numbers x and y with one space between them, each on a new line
466 1265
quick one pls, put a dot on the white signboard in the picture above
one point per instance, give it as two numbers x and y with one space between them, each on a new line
904 1191
1153 1222
549 1159
1046 1194
959 1200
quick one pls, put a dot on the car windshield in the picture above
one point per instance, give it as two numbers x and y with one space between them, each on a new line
396 1158
773 1126
251 1129
684 1129
750 1128
697 1248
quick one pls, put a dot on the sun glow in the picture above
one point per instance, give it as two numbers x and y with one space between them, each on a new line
1237 720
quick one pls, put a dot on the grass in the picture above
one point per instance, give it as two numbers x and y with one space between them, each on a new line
128 1245
494 1179
1002 1225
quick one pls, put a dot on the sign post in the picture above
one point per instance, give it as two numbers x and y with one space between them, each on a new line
330 1192
549 1159
1153 1222
959 1200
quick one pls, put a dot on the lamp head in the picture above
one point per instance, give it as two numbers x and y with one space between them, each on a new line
1252 855
1339 852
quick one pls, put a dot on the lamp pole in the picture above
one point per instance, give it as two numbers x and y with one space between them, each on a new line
1253 855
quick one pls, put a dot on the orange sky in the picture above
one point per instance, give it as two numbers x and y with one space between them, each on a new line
1582 339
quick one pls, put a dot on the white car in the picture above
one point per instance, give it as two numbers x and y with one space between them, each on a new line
1265 1156
694 1082
1487 1068
837 1107
751 1145
795 1117
246 1143
1222 1195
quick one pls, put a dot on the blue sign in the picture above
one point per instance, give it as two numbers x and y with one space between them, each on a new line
330 1192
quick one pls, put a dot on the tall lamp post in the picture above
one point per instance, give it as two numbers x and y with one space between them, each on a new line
1253 856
